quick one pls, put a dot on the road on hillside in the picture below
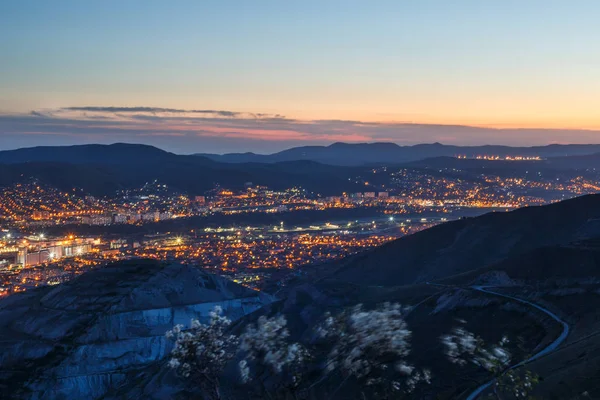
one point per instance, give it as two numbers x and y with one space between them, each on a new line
548 349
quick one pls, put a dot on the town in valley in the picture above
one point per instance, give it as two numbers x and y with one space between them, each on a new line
255 235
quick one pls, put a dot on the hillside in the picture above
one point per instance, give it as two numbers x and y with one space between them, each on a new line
118 153
390 153
84 338
547 256
471 243
104 169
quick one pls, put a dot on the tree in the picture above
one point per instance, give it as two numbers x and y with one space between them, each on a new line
202 352
268 352
463 347
371 346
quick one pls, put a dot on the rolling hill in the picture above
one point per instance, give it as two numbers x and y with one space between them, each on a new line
103 169
118 153
472 243
391 153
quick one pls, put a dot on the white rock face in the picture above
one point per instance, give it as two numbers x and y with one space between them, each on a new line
89 337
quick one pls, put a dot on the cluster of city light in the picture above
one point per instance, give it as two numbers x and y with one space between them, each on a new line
406 191
499 158
240 252
249 254
233 252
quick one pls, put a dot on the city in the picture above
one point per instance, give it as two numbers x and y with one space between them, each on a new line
47 240
253 256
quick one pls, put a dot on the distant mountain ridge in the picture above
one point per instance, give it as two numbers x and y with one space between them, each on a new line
104 169
349 154
86 154
341 154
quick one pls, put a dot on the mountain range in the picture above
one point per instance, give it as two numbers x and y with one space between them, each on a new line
103 169
342 154
331 170
390 153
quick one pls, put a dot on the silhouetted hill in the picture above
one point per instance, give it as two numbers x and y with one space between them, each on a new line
549 266
181 173
118 153
391 153
102 169
433 155
472 243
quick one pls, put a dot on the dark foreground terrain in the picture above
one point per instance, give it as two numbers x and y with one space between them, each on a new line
532 275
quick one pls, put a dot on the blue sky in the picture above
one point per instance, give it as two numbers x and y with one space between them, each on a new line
494 64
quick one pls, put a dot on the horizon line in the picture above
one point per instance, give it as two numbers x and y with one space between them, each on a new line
295 147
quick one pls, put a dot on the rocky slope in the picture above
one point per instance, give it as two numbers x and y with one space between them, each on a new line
85 338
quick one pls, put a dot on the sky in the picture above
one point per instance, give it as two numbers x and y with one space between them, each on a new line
233 76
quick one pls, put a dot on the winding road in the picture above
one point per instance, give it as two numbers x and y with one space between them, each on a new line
548 349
